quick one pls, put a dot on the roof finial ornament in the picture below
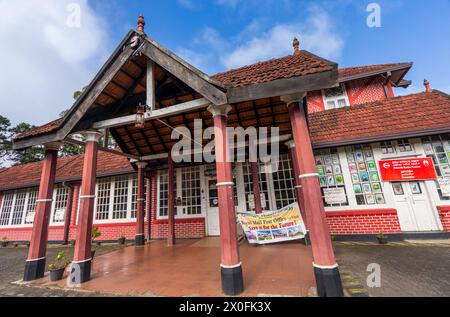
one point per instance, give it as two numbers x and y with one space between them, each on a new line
296 45
141 23
426 83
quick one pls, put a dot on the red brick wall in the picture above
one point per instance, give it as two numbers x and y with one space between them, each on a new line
365 90
363 222
444 212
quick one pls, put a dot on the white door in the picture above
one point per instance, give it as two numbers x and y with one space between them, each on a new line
212 216
415 211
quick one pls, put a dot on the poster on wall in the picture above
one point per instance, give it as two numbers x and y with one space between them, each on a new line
285 224
416 169
444 184
335 196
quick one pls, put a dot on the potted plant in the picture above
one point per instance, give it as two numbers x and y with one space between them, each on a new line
57 269
72 243
5 242
382 238
121 239
16 244
95 234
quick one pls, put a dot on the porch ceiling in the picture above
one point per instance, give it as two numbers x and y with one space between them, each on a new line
155 137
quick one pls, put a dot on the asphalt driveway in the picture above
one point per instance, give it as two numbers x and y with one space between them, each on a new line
407 270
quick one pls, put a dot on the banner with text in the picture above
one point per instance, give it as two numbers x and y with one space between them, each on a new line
285 224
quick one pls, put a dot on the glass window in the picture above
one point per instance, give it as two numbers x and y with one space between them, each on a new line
163 198
248 187
134 189
438 148
335 98
59 209
405 146
103 199
120 204
191 191
329 168
283 183
6 209
366 180
387 147
31 206
19 206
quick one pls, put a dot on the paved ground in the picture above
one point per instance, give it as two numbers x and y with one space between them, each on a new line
12 265
419 269
191 268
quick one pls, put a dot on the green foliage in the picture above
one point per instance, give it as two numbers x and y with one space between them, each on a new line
95 233
61 262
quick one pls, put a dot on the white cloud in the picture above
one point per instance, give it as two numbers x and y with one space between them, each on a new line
43 60
189 4
212 52
315 35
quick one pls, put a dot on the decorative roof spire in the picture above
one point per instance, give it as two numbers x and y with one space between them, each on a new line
426 83
296 45
141 23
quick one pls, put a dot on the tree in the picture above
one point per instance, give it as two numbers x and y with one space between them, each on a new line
5 140
32 154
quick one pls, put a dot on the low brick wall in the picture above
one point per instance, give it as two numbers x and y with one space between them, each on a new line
363 222
444 213
184 228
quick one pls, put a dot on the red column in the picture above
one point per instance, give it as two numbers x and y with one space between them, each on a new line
325 268
231 266
76 197
297 180
140 212
81 265
148 205
171 203
255 186
35 265
68 215
154 194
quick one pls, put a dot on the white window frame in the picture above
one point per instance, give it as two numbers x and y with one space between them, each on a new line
178 193
53 210
14 194
335 99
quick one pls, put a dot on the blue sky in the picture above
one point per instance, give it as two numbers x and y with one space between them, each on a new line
214 35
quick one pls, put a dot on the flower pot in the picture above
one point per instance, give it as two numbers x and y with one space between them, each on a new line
57 275
382 240
5 244
121 240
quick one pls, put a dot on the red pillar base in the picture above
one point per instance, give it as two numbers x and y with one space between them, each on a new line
34 270
232 280
328 282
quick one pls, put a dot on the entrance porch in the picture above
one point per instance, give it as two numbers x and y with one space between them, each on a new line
190 269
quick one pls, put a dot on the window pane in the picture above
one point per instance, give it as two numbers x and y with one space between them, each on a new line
191 190
6 209
18 208
31 206
438 148
103 199
60 204
283 181
120 198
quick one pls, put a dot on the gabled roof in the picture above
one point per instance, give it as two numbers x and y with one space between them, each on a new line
398 71
288 75
407 116
290 66
68 169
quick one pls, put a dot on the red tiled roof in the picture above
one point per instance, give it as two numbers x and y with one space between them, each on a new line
353 71
290 66
68 168
412 114
44 129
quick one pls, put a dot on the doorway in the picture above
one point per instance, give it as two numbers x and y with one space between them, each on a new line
212 198
415 211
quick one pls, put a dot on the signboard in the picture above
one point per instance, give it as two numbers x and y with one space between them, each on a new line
335 196
417 169
285 224
444 184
